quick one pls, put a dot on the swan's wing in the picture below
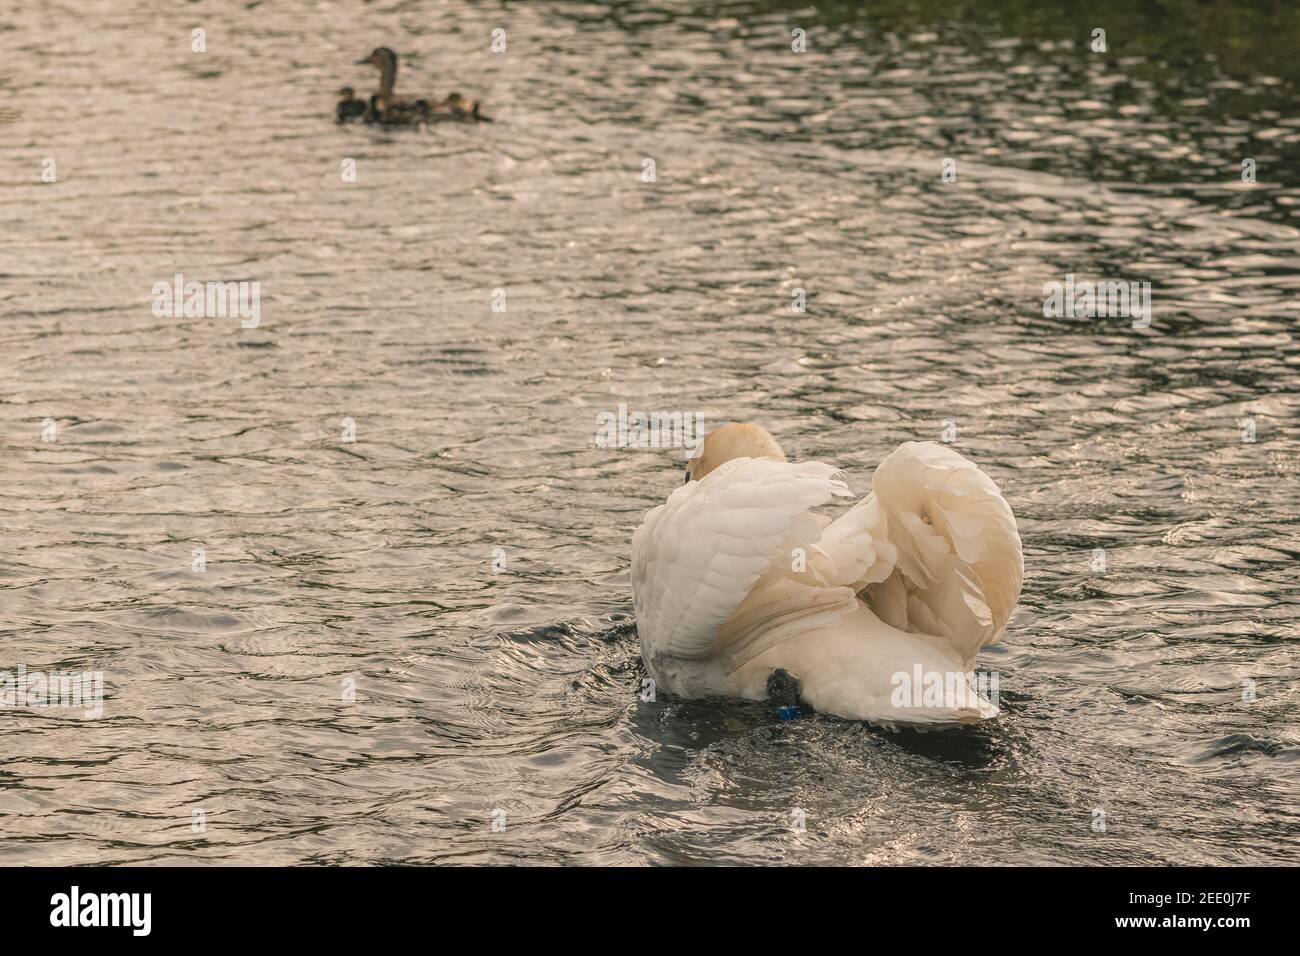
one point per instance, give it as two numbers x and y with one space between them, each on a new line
696 557
934 548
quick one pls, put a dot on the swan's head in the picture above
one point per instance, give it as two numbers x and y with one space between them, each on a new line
732 440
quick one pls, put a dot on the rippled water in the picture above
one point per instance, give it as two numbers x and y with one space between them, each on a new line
333 565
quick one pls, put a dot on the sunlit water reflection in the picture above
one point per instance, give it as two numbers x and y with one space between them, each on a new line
332 565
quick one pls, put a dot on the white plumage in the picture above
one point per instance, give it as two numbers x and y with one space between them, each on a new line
736 576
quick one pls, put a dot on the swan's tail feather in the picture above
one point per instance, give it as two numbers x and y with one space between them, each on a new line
862 668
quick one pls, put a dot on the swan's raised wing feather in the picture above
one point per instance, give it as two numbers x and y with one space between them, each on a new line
696 557
934 548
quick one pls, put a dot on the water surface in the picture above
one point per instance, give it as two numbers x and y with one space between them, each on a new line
368 566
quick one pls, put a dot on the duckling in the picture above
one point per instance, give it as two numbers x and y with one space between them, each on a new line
461 108
397 110
349 107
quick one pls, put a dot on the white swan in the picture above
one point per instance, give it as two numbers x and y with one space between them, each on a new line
739 586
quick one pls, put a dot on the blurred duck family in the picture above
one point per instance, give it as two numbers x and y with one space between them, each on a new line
386 108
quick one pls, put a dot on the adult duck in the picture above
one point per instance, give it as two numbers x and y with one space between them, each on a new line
392 109
742 590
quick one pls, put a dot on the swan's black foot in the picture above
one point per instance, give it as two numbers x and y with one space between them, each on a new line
783 691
